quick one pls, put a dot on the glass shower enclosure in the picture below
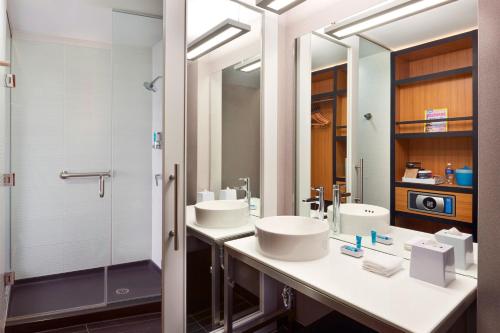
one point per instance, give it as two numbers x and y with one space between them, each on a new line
85 213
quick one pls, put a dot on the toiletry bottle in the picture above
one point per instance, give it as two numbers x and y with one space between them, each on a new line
449 173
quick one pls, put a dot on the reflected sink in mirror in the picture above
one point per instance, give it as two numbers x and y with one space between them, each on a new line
361 219
292 238
221 213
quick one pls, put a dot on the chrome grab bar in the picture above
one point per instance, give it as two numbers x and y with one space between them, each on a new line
66 175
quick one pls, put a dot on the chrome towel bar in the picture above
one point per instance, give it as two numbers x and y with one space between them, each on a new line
66 175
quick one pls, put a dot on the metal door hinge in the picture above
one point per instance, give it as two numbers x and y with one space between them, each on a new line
8 180
10 80
8 278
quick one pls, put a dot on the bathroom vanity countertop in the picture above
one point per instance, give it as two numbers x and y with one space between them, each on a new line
401 236
408 304
219 234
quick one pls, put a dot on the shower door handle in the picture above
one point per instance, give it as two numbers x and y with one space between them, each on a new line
175 233
100 175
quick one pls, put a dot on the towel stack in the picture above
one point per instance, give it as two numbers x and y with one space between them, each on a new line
382 264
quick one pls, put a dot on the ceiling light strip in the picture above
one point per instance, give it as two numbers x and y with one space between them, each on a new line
219 35
395 10
278 6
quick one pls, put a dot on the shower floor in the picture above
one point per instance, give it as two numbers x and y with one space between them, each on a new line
72 291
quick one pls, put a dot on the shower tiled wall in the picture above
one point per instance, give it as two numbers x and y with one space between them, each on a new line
62 119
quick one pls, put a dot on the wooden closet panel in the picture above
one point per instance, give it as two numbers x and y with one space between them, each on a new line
455 94
322 152
342 115
434 153
440 63
340 155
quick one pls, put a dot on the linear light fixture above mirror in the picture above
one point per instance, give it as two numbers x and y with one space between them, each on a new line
278 6
219 35
249 65
386 12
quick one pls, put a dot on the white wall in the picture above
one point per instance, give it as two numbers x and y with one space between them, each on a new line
157 162
374 135
67 117
61 120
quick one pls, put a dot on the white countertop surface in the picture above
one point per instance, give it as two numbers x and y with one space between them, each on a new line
401 236
219 234
407 303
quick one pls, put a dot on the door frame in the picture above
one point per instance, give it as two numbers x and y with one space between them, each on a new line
173 181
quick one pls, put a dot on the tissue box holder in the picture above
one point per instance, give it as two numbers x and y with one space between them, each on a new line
462 245
433 263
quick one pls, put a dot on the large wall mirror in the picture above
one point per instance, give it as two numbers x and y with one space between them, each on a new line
223 156
411 161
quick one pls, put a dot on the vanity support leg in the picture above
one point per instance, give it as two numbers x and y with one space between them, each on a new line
216 268
228 292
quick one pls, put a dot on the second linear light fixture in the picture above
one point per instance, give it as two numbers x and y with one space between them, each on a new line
219 35
386 12
278 6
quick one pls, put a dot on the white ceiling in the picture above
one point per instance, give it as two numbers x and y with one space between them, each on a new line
325 53
88 20
446 20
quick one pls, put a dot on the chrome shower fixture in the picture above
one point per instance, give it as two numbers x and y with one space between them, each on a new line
151 85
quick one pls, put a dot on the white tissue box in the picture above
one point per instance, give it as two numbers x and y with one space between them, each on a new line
204 196
227 194
462 244
433 262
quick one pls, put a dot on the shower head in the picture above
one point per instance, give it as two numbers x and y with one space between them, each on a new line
151 85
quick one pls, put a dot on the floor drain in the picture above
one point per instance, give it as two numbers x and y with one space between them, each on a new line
122 291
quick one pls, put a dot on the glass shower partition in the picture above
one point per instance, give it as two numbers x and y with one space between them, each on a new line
85 214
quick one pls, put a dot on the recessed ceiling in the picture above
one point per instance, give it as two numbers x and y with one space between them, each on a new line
88 20
446 20
326 54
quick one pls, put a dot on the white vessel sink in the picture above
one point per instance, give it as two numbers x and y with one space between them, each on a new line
221 213
292 238
361 219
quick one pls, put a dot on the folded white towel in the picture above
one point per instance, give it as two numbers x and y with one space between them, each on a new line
382 264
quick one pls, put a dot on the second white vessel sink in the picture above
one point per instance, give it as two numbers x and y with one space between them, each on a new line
361 219
221 213
292 238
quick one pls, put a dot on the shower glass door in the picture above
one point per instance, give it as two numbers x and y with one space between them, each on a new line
86 211
60 227
137 106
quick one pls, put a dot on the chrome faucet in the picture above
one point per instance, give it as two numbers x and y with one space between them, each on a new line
319 200
246 188
336 198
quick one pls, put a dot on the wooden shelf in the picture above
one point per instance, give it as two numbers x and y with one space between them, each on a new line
427 121
441 74
453 188
436 76
451 134
4 63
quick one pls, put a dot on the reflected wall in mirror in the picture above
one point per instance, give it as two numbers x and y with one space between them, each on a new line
321 119
223 166
414 120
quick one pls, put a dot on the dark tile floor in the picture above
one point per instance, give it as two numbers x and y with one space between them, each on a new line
150 323
201 321
72 290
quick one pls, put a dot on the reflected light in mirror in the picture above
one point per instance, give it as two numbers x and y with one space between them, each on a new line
216 37
278 6
250 67
390 15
